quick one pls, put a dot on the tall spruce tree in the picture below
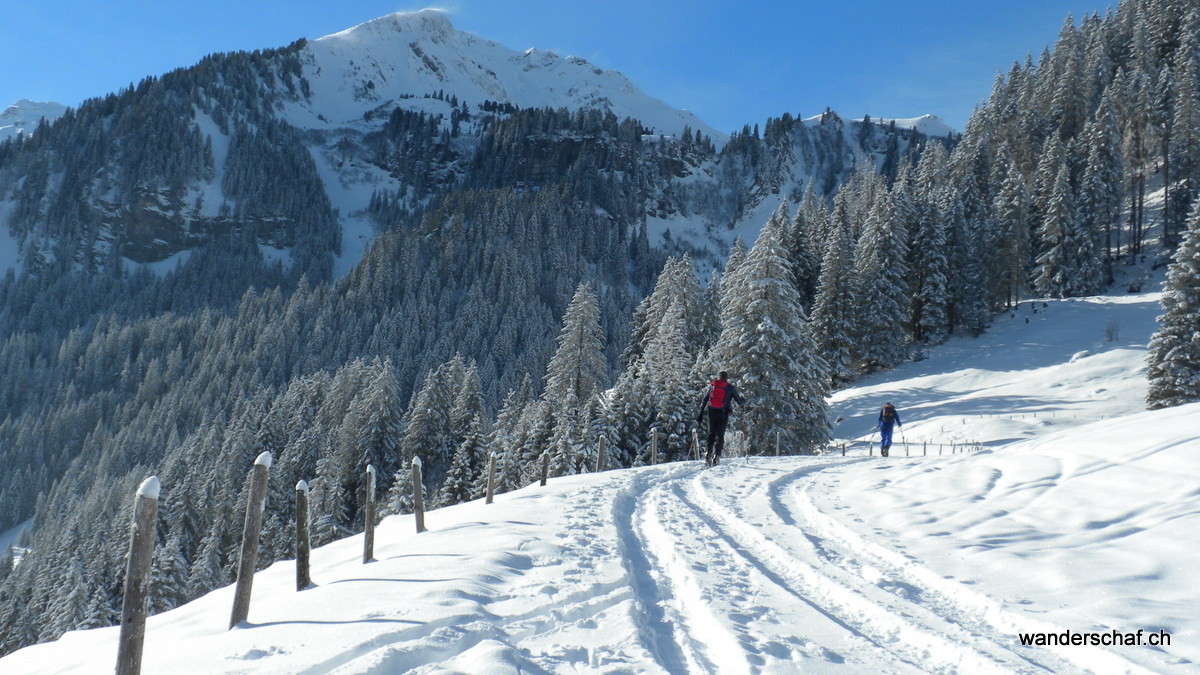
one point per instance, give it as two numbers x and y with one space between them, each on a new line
766 347
833 324
882 290
1174 353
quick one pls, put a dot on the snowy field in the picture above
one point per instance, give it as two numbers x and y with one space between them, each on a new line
1080 512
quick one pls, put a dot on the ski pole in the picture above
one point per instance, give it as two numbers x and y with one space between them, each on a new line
904 440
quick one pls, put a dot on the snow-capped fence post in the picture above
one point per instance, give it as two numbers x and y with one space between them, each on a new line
137 573
778 441
250 533
303 540
418 495
654 446
369 517
695 449
545 466
600 454
491 481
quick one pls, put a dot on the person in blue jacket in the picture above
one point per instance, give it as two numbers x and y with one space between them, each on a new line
888 417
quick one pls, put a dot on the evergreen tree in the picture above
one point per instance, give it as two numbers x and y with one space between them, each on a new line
578 366
1174 353
766 348
833 312
1052 277
882 290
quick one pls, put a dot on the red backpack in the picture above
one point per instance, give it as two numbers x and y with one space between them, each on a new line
717 396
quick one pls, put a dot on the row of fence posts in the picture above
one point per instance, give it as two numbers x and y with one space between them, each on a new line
141 543
955 448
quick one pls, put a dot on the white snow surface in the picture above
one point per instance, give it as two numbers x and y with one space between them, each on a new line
1080 513
23 116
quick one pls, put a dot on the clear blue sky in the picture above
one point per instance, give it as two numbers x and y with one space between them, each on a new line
732 63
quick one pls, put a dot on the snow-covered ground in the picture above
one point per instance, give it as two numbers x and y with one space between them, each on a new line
1081 513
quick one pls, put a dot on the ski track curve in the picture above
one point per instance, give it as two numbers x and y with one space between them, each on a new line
728 571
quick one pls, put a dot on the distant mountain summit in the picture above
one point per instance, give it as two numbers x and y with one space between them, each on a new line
378 65
311 149
23 116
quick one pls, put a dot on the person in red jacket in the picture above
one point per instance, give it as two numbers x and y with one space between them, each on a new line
718 401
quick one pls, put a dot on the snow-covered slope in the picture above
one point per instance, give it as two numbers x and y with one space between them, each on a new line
1079 514
23 116
383 62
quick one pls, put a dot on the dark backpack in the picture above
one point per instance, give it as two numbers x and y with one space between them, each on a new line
889 413
717 396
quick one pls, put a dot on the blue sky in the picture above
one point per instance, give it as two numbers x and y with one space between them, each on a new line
732 63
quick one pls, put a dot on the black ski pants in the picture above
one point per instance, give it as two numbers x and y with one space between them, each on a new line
718 419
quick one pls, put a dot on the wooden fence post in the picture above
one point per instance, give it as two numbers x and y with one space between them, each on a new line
924 448
545 466
491 481
250 532
654 446
369 517
778 441
418 495
303 540
695 454
843 449
600 454
137 573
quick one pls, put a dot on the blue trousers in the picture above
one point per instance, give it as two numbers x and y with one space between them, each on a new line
885 436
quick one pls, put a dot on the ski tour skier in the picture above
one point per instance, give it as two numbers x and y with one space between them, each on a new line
717 403
888 418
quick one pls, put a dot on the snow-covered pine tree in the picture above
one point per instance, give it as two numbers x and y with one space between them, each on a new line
802 252
467 469
667 368
578 365
766 348
929 263
1184 145
833 325
1174 352
427 426
1103 182
881 296
502 439
1010 213
1055 264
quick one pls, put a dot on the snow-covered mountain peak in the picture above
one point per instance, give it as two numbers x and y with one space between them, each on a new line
929 125
431 24
24 115
398 59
